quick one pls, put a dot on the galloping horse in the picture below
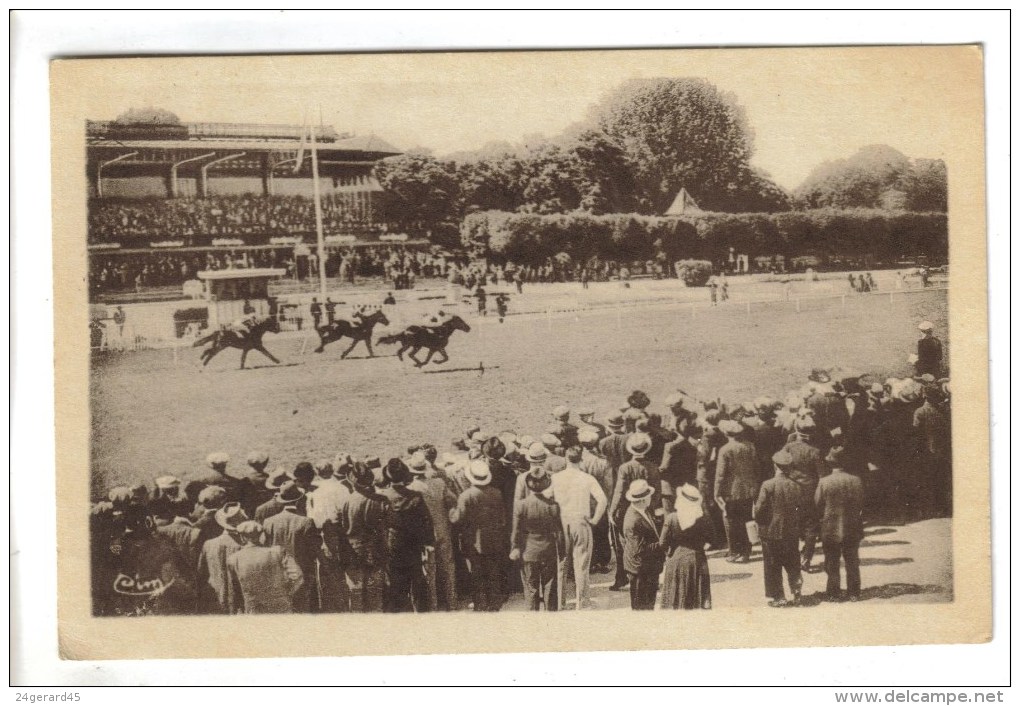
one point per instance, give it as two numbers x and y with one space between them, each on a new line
362 332
434 338
246 341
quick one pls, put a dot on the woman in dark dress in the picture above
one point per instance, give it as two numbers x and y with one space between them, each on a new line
686 581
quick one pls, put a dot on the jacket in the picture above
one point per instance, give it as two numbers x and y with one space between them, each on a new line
629 472
779 508
736 475
839 500
214 587
264 580
361 526
409 528
642 553
481 521
536 529
298 536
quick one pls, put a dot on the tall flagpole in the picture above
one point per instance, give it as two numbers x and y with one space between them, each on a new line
318 218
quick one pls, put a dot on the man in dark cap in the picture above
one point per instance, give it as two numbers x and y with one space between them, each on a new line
362 523
535 540
736 486
929 352
299 537
778 512
806 469
409 533
839 501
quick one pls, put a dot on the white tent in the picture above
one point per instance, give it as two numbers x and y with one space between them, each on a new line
683 205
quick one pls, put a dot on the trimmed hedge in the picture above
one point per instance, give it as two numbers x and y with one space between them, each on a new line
694 273
528 238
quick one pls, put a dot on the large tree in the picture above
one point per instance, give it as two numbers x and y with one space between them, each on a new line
417 187
679 133
870 178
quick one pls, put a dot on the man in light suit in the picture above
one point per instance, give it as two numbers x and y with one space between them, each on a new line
839 500
264 579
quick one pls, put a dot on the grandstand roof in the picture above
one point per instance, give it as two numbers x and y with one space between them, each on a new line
369 147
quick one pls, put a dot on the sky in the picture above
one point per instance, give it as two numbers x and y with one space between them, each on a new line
806 106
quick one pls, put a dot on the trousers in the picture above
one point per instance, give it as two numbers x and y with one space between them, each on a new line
333 596
577 536
616 532
643 588
848 551
365 587
601 553
780 554
486 581
406 590
541 584
738 512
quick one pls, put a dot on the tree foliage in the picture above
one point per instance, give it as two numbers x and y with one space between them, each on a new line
147 116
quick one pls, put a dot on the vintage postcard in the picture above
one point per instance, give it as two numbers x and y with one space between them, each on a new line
435 353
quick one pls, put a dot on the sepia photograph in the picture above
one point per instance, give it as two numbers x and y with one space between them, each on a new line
385 352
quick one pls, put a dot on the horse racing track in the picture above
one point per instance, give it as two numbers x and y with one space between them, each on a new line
152 415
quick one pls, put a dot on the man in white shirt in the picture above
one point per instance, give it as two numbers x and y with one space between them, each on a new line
574 490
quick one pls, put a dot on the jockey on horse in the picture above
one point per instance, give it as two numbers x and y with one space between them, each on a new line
359 328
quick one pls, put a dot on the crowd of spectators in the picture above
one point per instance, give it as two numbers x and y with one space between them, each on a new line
128 221
643 495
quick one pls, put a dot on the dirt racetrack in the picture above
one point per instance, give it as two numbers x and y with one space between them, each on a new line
152 415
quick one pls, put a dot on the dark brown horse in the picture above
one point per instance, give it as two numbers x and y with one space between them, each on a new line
360 332
435 338
250 340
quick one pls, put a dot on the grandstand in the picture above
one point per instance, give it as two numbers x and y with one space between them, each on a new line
169 197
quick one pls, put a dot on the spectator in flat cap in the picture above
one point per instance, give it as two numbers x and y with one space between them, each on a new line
839 501
778 512
554 462
535 541
214 585
440 564
481 524
264 578
805 469
299 537
255 479
211 499
409 533
362 530
736 486
565 431
214 474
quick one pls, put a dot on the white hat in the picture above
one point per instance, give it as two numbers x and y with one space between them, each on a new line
730 427
417 463
561 412
258 457
217 458
925 326
537 453
587 436
478 473
674 400
167 482
639 489
638 444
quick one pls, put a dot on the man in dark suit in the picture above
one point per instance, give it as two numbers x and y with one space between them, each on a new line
300 538
642 556
410 532
778 512
839 500
536 540
480 519
614 449
360 538
808 466
929 352
316 311
736 486
215 474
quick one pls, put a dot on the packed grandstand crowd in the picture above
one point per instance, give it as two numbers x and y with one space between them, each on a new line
444 529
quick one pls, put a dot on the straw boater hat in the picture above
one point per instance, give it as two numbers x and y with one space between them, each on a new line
478 473
561 412
217 458
550 441
290 492
167 482
639 444
614 421
782 458
276 478
925 326
256 458
526 442
585 412
230 516
251 530
537 453
639 490
418 464
674 400
587 437
730 427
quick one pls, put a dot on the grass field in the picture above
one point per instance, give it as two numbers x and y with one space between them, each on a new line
152 415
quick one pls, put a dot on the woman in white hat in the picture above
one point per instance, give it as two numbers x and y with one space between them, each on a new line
642 554
686 582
